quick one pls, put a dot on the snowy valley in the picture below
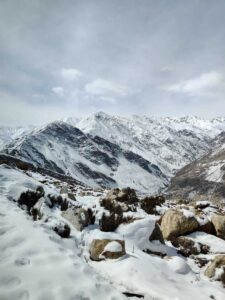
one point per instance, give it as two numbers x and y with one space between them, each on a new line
108 207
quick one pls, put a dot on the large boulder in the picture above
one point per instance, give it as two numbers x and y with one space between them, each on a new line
218 221
218 264
175 223
105 248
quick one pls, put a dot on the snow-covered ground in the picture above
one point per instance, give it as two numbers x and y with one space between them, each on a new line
35 263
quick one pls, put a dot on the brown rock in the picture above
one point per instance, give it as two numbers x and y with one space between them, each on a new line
218 221
98 252
187 246
174 224
218 262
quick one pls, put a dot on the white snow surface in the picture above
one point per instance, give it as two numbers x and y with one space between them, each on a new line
113 246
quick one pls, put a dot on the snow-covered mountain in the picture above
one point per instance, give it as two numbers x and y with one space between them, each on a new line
7 133
104 150
91 159
169 143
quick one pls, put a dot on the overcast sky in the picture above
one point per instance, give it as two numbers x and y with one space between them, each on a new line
71 58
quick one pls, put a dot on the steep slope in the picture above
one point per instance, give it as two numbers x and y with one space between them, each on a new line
205 177
95 161
169 143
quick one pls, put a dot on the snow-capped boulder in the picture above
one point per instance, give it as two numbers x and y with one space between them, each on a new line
176 222
216 269
218 221
105 248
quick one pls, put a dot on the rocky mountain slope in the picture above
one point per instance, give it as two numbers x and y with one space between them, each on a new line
169 143
109 151
93 160
205 177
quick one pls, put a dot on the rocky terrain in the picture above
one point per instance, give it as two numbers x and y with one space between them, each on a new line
90 243
87 210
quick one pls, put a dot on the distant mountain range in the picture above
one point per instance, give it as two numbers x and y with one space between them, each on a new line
109 151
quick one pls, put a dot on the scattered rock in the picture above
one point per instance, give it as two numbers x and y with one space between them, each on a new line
174 223
64 205
126 195
106 248
62 230
187 246
71 196
157 234
212 270
64 190
153 252
30 198
149 204
218 221
36 211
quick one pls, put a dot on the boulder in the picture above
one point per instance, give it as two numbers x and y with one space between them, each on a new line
79 218
218 221
187 246
105 248
217 263
157 234
126 195
174 223
63 230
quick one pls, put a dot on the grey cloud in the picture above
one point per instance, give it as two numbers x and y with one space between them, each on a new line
141 45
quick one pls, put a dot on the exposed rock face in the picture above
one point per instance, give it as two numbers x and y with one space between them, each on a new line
217 263
105 248
218 221
187 246
175 223
78 218
157 234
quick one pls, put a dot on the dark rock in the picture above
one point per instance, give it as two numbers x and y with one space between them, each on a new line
149 204
62 230
157 234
